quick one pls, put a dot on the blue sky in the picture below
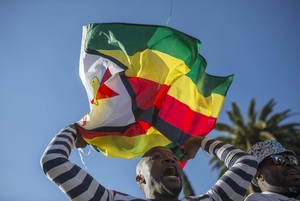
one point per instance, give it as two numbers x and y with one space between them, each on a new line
41 91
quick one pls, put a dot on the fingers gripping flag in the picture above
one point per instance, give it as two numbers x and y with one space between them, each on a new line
146 87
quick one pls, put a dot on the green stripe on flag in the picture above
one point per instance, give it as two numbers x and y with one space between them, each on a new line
208 84
132 38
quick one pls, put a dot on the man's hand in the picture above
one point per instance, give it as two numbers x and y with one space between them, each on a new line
191 147
80 142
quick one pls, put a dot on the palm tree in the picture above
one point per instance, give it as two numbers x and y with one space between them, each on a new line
187 187
260 126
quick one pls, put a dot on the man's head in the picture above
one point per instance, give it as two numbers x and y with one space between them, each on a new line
278 168
159 175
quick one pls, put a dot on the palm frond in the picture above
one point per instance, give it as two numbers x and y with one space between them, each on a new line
251 113
278 117
264 135
236 120
237 112
266 110
224 128
187 187
291 126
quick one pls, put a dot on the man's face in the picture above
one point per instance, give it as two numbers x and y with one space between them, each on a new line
285 175
161 171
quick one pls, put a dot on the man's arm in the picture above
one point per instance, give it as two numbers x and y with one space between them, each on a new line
71 179
234 183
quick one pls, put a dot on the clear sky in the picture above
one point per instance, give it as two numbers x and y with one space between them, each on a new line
41 91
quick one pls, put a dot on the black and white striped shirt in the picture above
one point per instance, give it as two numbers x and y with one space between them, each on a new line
78 185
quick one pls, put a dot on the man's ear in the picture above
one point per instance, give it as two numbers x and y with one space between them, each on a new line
259 176
140 179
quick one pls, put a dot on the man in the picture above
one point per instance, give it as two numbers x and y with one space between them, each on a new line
278 174
158 173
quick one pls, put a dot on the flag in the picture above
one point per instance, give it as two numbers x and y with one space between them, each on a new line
146 87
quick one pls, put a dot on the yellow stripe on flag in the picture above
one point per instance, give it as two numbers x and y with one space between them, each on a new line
151 65
129 147
185 90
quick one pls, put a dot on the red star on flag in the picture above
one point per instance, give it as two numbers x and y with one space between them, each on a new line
104 91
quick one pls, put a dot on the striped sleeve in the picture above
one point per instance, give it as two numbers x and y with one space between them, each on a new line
260 197
234 183
71 179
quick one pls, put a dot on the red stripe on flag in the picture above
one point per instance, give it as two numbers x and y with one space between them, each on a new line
182 117
147 92
138 128
161 95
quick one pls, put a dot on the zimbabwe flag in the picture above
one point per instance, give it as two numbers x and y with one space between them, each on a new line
146 87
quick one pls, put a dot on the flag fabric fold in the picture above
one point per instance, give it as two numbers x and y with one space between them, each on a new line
146 87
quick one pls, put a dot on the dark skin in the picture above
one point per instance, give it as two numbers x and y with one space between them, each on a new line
158 173
282 179
80 142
